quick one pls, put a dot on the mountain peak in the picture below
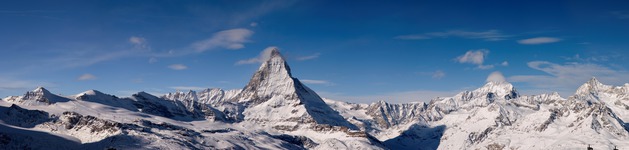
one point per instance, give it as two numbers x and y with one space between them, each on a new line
275 52
499 88
95 96
594 81
272 78
498 85
41 89
92 92
41 94
273 94
591 86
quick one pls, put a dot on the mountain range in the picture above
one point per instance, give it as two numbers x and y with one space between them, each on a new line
277 111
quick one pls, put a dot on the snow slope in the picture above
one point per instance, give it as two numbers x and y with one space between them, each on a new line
276 111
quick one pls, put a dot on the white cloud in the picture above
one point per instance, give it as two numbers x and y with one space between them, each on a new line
264 55
504 63
138 80
17 84
539 40
567 77
413 37
322 82
489 35
438 74
229 39
473 57
313 56
87 58
476 57
178 67
392 97
152 60
86 76
496 76
598 58
621 14
485 67
194 88
138 42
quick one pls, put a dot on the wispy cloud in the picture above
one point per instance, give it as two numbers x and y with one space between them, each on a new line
567 77
392 97
229 39
152 60
504 63
86 76
46 14
621 14
321 82
263 56
413 37
15 86
178 67
438 74
138 42
489 35
596 58
194 88
309 57
476 57
539 40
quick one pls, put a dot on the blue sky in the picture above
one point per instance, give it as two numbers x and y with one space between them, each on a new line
350 51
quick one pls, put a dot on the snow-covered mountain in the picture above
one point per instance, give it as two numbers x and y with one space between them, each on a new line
276 111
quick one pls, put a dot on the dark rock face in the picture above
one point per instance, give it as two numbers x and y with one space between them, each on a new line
477 137
18 116
387 115
73 120
302 141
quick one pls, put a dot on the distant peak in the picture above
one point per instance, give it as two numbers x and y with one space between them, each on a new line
500 88
275 56
142 93
497 83
380 102
93 92
41 90
594 81
591 86
275 52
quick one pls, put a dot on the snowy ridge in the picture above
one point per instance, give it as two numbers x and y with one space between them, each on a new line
39 96
276 111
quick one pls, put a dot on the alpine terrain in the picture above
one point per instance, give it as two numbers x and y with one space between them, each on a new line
277 111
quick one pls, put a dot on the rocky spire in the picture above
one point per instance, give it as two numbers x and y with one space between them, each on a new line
592 86
273 94
272 78
41 94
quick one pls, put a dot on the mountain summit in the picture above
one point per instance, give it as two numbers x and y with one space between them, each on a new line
272 78
592 86
38 96
273 95
501 89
